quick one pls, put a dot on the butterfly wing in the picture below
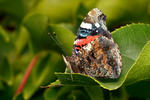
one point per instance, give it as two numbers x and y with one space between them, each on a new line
94 51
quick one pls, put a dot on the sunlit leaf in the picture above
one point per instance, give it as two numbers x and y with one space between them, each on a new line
63 37
131 39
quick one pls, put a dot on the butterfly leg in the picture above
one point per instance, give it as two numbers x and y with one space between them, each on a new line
68 66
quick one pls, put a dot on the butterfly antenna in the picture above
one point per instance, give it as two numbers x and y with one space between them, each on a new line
54 38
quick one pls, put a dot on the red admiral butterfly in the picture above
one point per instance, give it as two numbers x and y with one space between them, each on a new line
94 51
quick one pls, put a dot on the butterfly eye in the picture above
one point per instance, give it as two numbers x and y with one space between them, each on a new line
103 17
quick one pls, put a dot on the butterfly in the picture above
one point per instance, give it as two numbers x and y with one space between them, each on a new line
94 51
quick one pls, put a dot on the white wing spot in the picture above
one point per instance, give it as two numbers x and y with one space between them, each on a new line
86 25
88 47
97 25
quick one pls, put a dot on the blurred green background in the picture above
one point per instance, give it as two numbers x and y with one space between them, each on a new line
24 28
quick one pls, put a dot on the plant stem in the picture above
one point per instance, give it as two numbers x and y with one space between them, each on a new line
27 74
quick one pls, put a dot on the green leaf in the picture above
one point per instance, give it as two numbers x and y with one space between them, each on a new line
131 39
140 89
43 72
37 26
6 45
119 94
140 70
139 76
5 71
11 7
77 79
63 37
13 12
66 93
1 85
22 40
57 11
18 97
95 92
50 94
53 84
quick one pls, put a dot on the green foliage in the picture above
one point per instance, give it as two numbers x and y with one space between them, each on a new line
56 32
46 28
128 39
